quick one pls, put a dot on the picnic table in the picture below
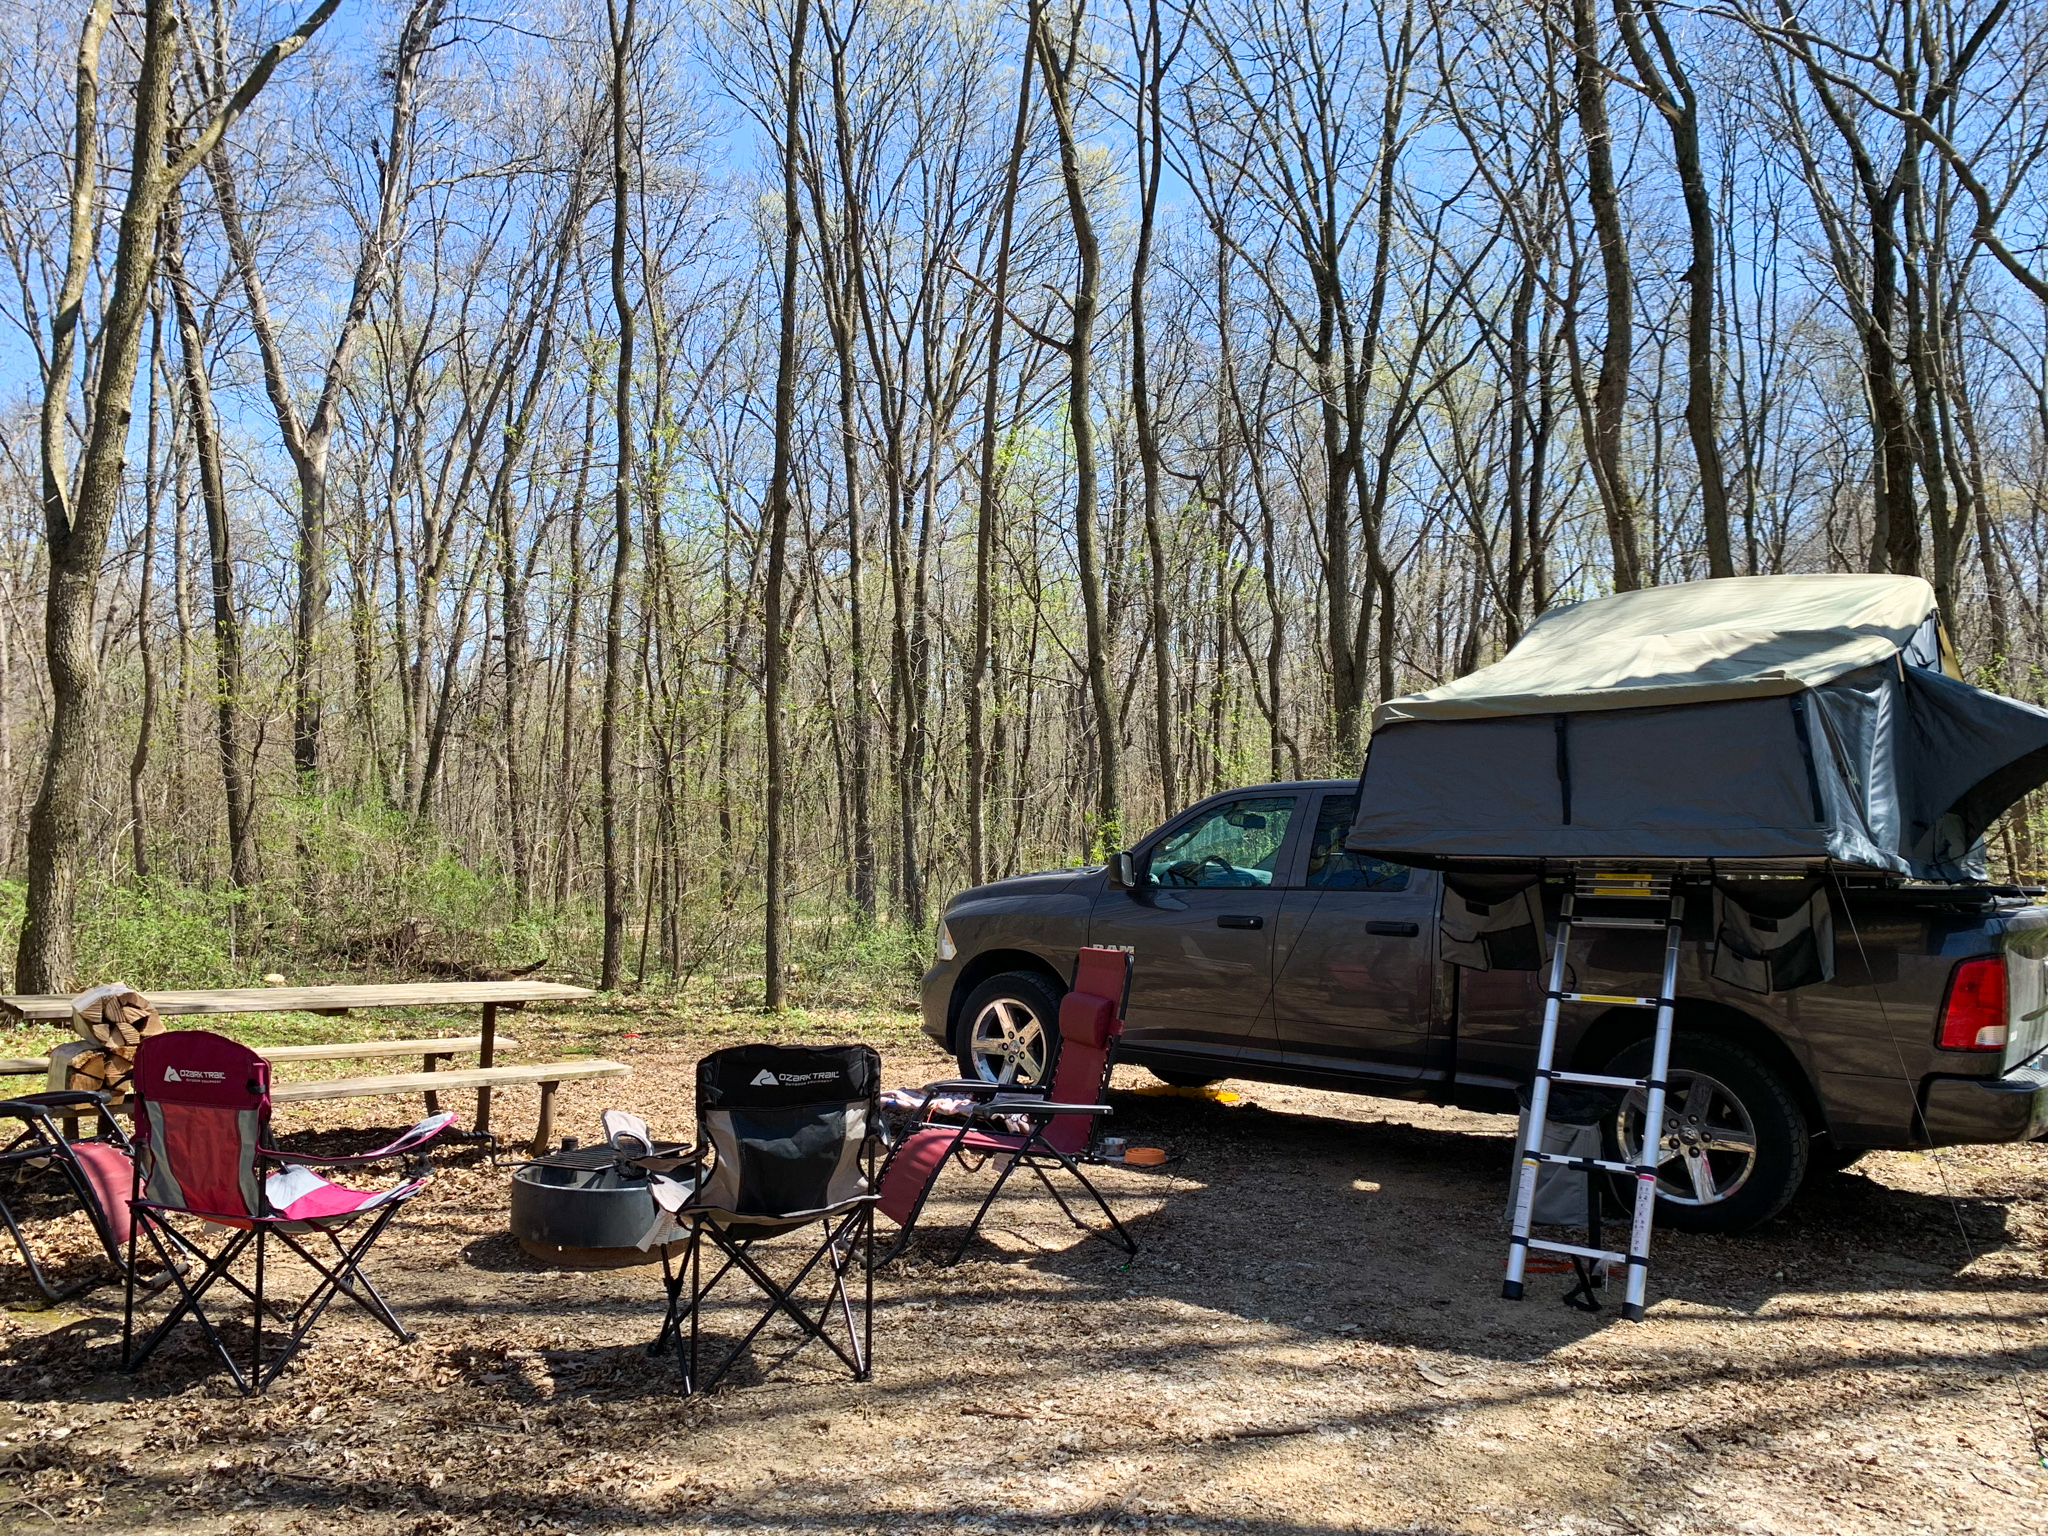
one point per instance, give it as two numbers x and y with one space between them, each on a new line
489 996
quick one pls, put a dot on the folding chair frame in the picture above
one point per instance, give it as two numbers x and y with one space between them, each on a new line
1032 1154
343 1278
842 1232
42 1138
1034 1104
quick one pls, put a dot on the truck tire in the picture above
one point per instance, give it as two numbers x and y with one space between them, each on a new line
1736 1141
1009 1029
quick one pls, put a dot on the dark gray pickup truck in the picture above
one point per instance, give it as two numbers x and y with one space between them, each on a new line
1266 951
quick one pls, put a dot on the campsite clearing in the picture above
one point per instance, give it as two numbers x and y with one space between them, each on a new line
1310 1341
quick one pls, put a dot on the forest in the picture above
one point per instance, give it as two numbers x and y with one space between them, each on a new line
677 490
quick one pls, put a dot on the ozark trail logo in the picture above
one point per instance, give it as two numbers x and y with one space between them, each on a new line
767 1079
193 1075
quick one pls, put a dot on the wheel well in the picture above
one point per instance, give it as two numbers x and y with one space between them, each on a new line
1619 1028
989 963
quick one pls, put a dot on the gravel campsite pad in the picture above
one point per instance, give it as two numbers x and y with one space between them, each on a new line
1310 1340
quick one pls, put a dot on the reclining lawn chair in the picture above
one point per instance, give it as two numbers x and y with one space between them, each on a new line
98 1171
202 1123
786 1139
1061 1120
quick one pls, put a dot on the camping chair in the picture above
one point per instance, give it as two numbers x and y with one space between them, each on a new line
1061 1120
202 1123
99 1171
786 1140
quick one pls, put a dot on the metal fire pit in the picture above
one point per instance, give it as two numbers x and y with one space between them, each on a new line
579 1210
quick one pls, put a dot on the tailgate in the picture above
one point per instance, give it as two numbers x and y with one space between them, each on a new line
2026 983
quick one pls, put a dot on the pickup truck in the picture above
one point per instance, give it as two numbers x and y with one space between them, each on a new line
1265 951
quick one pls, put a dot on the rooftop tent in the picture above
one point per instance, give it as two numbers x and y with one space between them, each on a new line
1767 722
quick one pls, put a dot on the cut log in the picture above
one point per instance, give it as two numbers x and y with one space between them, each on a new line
116 1020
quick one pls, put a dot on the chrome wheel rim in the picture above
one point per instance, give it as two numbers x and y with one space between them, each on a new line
1708 1150
1008 1041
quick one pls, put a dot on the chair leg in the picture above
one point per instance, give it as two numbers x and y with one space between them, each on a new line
35 1270
782 1299
696 1263
974 1226
128 1304
191 1294
256 1319
1122 1239
343 1279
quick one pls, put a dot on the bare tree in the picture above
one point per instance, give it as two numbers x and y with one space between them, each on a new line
78 511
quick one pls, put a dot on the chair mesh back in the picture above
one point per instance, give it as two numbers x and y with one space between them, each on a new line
202 1107
786 1125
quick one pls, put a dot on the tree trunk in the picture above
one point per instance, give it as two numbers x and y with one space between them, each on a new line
775 628
1057 68
615 874
236 779
1153 61
76 523
1610 390
987 507
1678 103
138 762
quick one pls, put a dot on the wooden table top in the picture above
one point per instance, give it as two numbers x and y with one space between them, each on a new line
50 1009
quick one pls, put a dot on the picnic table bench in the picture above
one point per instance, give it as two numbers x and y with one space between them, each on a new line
489 996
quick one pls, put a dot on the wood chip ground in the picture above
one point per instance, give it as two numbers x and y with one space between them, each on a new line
1310 1342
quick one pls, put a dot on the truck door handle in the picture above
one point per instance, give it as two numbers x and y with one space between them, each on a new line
1240 920
1393 930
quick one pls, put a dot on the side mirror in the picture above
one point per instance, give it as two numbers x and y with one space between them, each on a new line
1123 871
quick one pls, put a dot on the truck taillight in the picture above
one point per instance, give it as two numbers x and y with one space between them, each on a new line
1974 1019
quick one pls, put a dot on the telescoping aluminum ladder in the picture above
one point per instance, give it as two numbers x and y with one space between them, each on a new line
1602 886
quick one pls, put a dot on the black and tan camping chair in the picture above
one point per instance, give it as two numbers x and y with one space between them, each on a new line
787 1138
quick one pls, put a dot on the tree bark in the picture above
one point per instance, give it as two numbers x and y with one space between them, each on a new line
237 781
76 523
1610 389
987 506
616 876
775 626
145 646
1057 65
1676 100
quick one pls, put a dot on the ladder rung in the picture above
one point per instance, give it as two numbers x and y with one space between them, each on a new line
1585 1253
1567 1160
1620 922
1609 997
1596 1080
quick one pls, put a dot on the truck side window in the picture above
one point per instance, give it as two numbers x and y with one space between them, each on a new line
1236 844
1330 867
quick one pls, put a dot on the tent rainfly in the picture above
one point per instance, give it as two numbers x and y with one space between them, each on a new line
1759 722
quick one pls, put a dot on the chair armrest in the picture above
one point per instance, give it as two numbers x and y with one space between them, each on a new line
56 1098
976 1085
669 1162
1039 1107
407 1145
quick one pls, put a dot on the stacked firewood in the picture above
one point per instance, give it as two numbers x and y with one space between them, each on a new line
115 1020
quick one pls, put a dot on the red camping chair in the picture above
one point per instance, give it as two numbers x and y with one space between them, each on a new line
98 1171
1061 1120
202 1121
